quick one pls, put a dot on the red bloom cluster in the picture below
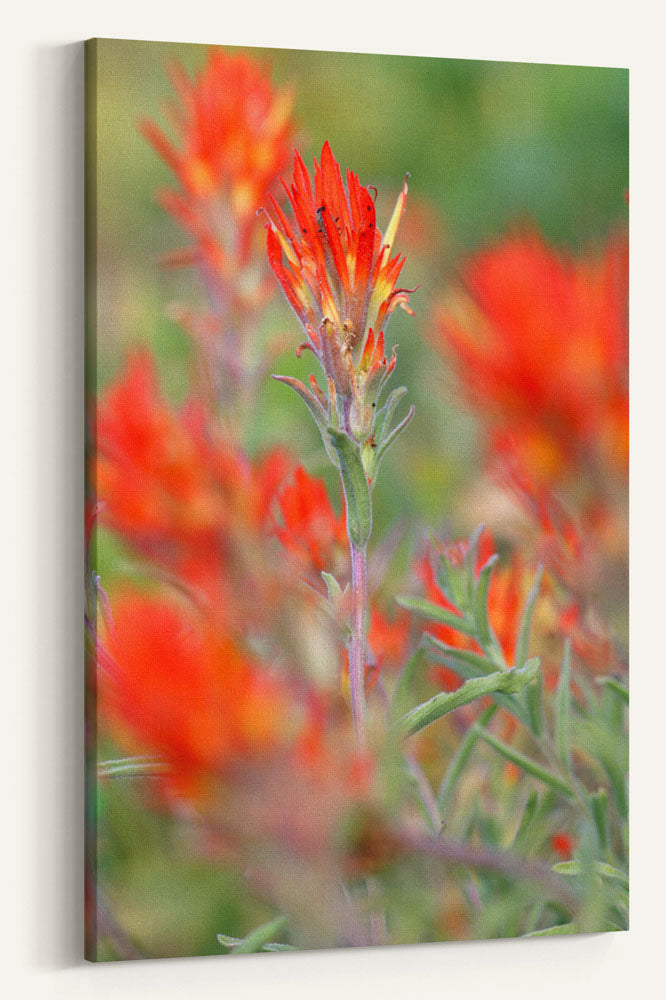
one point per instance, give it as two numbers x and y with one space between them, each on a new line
235 134
540 341
180 689
174 489
388 638
309 527
571 549
337 271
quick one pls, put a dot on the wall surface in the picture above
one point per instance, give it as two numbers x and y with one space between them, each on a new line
42 404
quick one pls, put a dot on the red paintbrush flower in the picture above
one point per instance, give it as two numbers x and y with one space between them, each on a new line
174 489
388 638
539 338
177 688
308 526
338 272
570 548
234 137
235 131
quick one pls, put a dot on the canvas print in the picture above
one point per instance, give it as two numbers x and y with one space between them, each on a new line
356 513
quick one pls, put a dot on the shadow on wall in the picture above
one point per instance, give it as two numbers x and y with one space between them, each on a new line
54 740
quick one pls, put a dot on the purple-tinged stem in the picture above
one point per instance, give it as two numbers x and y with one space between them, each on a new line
357 644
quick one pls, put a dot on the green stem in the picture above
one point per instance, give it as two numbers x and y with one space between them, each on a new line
357 643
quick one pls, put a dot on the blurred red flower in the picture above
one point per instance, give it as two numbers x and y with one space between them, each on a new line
174 489
563 845
180 689
388 638
539 338
270 770
308 526
235 134
572 549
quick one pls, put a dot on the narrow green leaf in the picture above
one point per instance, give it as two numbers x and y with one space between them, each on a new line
616 779
392 435
132 767
385 414
599 804
436 613
552 931
382 434
459 761
450 654
355 485
534 703
468 665
473 548
526 763
257 940
315 408
523 642
485 632
534 694
617 686
606 871
533 917
400 699
430 711
526 819
232 942
457 583
332 586
563 709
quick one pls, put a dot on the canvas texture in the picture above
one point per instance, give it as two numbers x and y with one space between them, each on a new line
356 500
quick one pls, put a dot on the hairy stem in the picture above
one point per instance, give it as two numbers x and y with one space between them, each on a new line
357 644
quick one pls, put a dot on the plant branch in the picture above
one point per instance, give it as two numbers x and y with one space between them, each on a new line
359 593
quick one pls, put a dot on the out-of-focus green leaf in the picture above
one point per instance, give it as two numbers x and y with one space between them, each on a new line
523 641
473 549
534 702
400 699
599 805
459 760
526 819
563 709
526 763
601 868
613 684
436 613
486 635
335 591
557 929
131 767
473 664
618 785
257 940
